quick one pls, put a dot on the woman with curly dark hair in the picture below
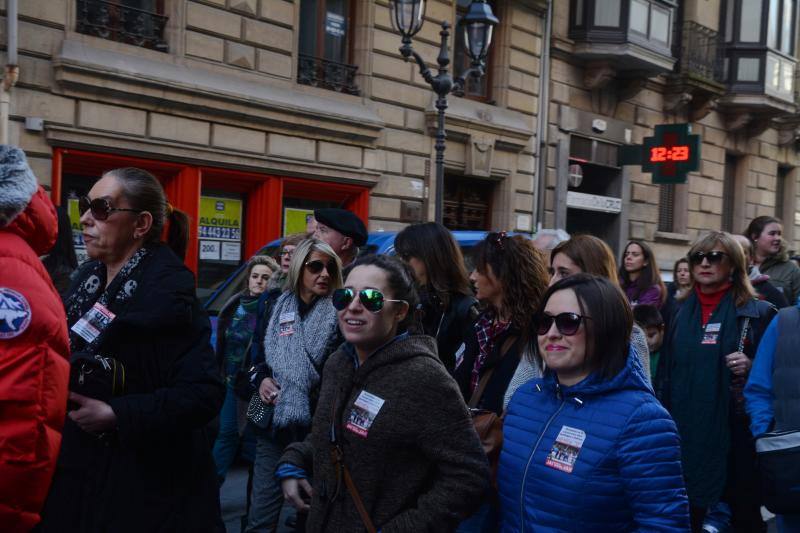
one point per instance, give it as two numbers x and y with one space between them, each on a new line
639 276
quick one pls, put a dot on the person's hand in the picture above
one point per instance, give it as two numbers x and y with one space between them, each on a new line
92 416
738 363
292 493
269 391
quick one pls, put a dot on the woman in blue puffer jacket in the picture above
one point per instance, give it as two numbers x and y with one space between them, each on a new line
588 447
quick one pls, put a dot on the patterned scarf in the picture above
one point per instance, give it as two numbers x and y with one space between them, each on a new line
88 292
297 359
487 329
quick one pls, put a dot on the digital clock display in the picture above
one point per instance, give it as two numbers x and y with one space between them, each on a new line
661 154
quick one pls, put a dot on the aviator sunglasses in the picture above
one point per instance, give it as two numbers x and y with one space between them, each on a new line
713 257
566 323
371 299
100 207
316 266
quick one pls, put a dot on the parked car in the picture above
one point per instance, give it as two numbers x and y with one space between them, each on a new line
377 243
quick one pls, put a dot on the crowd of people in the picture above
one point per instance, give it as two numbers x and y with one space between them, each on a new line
545 390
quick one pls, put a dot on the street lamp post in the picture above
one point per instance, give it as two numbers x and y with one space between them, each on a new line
408 17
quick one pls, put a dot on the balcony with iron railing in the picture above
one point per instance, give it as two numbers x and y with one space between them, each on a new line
697 80
117 22
327 74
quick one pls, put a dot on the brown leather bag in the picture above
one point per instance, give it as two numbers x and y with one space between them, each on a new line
488 425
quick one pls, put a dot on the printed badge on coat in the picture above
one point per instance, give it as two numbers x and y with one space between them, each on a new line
565 449
93 322
711 333
286 324
15 313
365 409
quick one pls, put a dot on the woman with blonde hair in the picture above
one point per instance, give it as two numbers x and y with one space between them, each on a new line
301 333
707 354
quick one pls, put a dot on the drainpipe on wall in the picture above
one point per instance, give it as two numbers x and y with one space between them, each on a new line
543 120
11 70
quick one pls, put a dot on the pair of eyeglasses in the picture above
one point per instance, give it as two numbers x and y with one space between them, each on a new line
566 323
714 257
372 299
100 207
286 252
316 266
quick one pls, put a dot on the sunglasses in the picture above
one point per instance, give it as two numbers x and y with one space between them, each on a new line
316 266
100 207
566 323
286 252
712 257
371 299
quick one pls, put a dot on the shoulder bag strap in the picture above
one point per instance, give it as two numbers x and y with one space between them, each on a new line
362 511
478 394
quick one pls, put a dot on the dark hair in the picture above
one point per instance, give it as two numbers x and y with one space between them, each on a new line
62 256
675 269
608 332
400 279
590 254
521 269
650 275
145 193
647 316
434 245
757 225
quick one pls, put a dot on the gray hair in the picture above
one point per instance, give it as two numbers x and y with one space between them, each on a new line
301 254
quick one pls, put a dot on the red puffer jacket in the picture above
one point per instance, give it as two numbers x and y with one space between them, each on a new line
34 367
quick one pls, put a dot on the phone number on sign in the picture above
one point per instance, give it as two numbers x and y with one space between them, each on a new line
210 232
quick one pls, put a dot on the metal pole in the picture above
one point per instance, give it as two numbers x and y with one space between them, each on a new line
441 140
11 69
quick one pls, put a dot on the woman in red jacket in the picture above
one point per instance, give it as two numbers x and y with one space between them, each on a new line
33 346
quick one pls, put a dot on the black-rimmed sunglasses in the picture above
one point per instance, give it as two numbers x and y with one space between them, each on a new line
100 207
566 323
712 257
371 299
316 266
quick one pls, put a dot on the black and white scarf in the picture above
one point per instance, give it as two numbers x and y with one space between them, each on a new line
296 360
89 292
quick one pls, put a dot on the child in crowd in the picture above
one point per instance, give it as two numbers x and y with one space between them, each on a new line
650 320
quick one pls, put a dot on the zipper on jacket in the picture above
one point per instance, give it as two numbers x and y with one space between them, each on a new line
530 459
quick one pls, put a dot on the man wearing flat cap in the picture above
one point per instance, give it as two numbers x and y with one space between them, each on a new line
342 230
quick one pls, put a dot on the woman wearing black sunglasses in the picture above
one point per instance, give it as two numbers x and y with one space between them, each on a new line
587 447
135 454
301 333
706 359
392 447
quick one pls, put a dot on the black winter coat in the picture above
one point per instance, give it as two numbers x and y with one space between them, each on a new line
155 473
504 365
452 327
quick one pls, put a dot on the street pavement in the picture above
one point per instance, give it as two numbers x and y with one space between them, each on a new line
233 495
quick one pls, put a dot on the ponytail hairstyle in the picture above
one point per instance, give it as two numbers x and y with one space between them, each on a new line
145 193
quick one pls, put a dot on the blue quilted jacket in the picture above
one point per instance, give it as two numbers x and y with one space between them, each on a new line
602 455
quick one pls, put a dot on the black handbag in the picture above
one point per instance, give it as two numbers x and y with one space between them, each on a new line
96 376
258 412
779 465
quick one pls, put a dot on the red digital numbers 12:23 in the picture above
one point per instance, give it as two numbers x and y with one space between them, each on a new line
673 153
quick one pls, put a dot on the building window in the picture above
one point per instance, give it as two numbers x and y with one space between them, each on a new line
326 34
474 88
731 214
786 201
136 22
760 41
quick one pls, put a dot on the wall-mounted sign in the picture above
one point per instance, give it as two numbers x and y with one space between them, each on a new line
669 155
594 202
220 229
77 230
334 24
296 220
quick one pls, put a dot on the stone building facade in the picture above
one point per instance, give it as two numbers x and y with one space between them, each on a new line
726 67
270 108
276 105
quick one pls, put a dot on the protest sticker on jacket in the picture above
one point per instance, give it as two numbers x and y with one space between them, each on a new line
565 449
220 229
365 409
